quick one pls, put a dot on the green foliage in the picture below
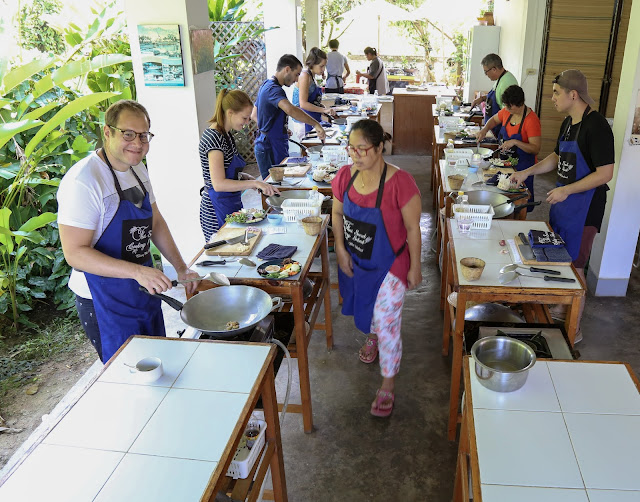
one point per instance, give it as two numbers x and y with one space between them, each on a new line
330 12
50 110
35 31
226 10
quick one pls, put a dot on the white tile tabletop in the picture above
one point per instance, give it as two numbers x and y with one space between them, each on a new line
173 357
109 416
488 250
525 449
607 448
493 233
595 388
613 496
489 275
537 394
191 424
60 474
211 365
499 493
157 479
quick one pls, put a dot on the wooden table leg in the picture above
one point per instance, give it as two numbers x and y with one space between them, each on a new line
302 342
328 325
272 433
456 367
445 268
571 321
448 309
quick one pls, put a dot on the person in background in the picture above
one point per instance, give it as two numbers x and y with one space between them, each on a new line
107 214
271 110
336 65
583 159
492 66
376 73
376 225
519 131
221 163
307 94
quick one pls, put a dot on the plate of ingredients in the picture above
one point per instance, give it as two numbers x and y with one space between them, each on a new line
324 176
246 216
510 162
279 269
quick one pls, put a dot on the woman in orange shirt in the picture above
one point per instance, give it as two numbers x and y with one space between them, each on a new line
520 131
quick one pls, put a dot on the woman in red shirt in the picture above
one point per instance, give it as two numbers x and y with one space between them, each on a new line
376 225
520 131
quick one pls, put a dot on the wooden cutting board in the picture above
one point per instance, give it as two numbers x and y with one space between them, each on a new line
233 249
535 262
297 171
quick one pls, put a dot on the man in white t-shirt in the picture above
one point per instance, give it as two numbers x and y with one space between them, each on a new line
336 65
107 215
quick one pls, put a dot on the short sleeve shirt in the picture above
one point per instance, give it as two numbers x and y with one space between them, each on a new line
212 139
501 85
335 66
596 145
398 191
530 126
269 95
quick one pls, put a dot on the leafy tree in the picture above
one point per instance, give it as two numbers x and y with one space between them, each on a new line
330 12
35 31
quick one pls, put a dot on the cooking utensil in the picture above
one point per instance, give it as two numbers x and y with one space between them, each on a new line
211 263
214 277
491 198
210 311
493 312
246 262
525 247
502 363
515 266
275 202
234 240
508 277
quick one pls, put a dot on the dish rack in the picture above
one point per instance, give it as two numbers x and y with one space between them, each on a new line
243 460
460 155
340 152
480 215
292 208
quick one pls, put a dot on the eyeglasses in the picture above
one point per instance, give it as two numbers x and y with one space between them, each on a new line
487 71
360 152
130 135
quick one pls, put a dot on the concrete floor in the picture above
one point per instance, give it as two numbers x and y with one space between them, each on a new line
352 456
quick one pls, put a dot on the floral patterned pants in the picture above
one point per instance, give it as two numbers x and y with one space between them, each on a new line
386 323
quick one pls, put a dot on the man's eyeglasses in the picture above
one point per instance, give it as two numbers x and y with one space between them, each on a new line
130 135
487 71
360 152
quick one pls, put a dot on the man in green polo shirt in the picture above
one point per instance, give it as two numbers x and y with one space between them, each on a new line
492 66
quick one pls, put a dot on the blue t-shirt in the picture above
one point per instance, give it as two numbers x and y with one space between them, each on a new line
269 95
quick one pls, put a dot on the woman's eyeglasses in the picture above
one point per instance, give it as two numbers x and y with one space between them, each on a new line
130 135
360 152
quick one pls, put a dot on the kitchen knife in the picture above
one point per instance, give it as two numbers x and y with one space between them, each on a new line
525 248
559 279
233 240
544 271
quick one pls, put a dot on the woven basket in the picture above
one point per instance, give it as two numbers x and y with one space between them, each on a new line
312 224
472 268
455 181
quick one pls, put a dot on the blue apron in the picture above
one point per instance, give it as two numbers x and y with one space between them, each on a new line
366 239
225 203
568 217
315 98
276 139
525 160
491 106
121 308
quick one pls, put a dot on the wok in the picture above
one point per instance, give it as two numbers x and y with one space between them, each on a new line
502 205
210 311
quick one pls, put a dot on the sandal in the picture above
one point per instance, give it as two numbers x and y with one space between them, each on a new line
369 351
382 406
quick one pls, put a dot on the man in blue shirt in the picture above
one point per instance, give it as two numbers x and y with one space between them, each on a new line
271 110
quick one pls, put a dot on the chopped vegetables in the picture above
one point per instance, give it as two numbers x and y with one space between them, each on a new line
250 215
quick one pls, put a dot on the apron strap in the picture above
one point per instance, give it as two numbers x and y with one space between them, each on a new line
115 179
521 120
381 186
567 131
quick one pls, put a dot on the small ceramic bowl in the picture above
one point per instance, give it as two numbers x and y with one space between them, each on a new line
275 219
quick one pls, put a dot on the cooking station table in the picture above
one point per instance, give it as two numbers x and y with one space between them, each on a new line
533 293
171 439
304 310
476 119
570 434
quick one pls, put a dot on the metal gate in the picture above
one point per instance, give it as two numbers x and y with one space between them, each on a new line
241 63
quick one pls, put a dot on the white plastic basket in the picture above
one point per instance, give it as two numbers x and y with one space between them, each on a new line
292 208
449 122
336 150
243 460
481 215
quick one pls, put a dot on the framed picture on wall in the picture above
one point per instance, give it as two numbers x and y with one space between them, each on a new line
202 50
161 54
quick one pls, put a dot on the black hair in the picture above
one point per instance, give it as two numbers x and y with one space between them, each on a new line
334 44
288 60
316 56
492 60
370 50
513 96
372 132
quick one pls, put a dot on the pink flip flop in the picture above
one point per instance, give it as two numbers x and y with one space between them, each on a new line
369 351
377 410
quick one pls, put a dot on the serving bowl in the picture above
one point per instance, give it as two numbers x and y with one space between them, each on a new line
502 363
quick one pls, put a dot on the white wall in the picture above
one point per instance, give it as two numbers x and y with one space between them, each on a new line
312 17
614 247
287 39
178 116
522 24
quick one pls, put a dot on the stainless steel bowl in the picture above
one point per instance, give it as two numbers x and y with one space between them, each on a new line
493 312
502 363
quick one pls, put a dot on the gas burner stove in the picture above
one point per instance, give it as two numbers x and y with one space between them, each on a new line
547 341
263 332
